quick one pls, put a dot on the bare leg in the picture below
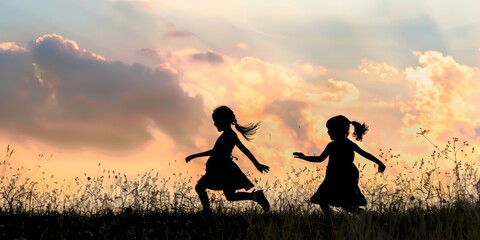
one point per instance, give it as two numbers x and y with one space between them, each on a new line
231 195
201 190
256 196
260 198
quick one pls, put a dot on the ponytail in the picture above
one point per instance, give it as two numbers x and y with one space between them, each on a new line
248 130
359 130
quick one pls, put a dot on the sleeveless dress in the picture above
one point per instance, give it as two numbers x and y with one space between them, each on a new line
221 172
340 186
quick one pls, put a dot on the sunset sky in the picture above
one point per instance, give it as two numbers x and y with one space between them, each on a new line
131 84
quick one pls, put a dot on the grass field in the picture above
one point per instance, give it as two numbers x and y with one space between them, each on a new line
459 221
421 201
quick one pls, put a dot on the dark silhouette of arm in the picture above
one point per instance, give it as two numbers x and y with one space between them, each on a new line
200 154
321 158
367 155
259 166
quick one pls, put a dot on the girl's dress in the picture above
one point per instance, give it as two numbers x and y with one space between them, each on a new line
340 186
221 172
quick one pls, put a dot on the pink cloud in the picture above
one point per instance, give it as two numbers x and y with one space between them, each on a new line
10 46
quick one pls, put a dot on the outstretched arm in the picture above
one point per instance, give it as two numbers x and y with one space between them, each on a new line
367 155
200 154
320 158
259 166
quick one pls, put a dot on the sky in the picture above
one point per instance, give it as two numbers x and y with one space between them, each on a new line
131 84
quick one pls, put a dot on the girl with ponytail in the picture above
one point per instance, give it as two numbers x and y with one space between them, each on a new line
340 186
221 172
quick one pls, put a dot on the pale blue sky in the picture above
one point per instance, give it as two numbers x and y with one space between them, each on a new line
330 33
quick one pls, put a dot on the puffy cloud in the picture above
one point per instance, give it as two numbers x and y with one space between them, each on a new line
311 72
71 97
252 84
292 109
443 96
379 80
11 46
382 71
259 83
339 91
309 68
20 92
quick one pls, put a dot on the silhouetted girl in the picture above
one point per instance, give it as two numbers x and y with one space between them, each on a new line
221 172
340 186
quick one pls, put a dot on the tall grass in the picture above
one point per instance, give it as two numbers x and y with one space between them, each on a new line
418 201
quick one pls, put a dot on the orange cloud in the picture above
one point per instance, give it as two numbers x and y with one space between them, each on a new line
442 97
310 71
381 71
437 95
114 105
10 46
339 91
293 110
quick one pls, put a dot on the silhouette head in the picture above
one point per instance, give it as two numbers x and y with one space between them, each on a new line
339 126
223 117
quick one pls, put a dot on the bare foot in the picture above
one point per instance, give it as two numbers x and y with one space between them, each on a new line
260 198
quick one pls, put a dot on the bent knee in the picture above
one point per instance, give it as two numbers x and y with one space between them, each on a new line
200 187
